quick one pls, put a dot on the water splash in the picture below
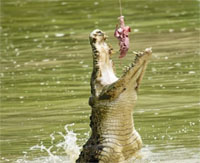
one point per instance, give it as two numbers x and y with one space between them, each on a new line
148 154
69 145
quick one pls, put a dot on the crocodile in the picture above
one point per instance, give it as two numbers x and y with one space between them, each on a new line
114 138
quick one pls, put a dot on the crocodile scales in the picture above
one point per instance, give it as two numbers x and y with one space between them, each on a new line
114 138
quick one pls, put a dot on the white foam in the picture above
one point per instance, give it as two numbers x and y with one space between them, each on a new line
68 145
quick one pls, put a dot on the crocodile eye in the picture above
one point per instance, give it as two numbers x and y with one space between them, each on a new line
98 31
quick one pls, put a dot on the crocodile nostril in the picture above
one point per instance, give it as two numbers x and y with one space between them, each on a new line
100 33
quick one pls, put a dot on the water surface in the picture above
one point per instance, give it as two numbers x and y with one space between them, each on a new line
46 66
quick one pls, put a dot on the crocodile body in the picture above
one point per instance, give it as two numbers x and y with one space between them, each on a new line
113 138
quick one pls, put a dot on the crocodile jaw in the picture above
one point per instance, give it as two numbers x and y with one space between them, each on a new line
113 138
104 83
106 73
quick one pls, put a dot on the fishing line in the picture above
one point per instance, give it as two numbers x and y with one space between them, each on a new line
120 7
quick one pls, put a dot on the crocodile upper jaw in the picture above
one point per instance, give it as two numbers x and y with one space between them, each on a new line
104 83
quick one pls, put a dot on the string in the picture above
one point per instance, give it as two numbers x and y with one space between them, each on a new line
120 6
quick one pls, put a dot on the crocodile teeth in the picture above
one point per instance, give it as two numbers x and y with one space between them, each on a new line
126 68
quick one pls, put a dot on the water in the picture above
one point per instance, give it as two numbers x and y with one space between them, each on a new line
45 72
68 145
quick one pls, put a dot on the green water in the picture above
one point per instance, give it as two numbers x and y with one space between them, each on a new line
46 66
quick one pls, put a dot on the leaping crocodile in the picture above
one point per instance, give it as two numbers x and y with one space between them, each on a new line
114 138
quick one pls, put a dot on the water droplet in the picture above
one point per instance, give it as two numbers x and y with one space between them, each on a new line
45 60
136 30
17 54
59 34
183 29
182 80
64 3
58 82
153 69
17 66
39 45
96 3
177 64
2 74
89 16
42 83
191 72
85 66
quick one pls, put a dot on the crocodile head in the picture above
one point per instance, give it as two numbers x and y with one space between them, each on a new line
104 82
113 137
